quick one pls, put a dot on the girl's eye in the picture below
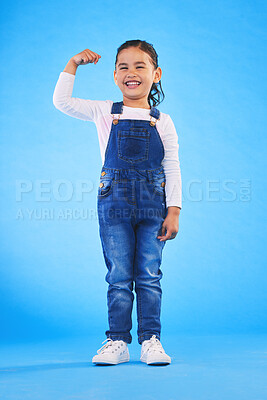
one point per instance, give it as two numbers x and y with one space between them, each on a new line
125 67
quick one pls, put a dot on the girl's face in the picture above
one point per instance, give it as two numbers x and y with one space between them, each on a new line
134 65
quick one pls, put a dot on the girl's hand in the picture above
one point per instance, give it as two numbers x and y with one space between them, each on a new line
86 56
171 224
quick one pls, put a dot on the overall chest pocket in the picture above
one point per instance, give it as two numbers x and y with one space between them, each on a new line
133 145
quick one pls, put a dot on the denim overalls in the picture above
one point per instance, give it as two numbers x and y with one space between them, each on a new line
131 207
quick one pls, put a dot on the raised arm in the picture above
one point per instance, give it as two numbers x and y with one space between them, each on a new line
62 97
86 56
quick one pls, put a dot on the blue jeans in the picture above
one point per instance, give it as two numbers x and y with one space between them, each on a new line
131 209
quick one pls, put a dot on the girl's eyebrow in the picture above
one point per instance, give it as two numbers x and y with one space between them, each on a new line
137 62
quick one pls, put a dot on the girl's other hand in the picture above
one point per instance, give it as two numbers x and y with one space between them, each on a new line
85 57
170 224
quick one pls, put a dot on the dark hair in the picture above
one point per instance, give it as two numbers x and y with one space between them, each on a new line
155 92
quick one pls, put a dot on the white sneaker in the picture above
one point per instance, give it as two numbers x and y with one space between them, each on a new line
113 352
152 352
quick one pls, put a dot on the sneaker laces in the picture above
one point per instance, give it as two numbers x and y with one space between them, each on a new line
109 343
153 345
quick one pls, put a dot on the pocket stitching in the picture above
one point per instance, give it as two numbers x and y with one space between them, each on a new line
156 185
145 138
109 190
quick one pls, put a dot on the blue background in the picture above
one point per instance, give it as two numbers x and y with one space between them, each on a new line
212 57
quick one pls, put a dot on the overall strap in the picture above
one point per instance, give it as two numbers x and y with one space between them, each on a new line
117 107
154 112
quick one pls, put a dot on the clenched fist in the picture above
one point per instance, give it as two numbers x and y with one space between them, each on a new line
86 56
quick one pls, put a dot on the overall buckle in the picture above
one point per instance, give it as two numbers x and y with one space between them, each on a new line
153 123
115 120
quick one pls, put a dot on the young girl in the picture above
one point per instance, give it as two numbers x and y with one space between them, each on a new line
139 194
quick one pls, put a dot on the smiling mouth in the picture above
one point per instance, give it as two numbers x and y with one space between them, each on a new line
132 84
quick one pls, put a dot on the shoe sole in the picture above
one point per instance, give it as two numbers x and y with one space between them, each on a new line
110 362
156 362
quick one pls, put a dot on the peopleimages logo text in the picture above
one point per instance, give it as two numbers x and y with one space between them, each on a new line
64 199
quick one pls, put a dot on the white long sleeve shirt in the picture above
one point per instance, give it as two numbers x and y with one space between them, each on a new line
99 112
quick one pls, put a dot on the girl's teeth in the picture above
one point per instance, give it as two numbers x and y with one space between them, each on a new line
132 84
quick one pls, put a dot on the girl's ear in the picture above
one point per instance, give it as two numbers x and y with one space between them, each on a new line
115 77
158 75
